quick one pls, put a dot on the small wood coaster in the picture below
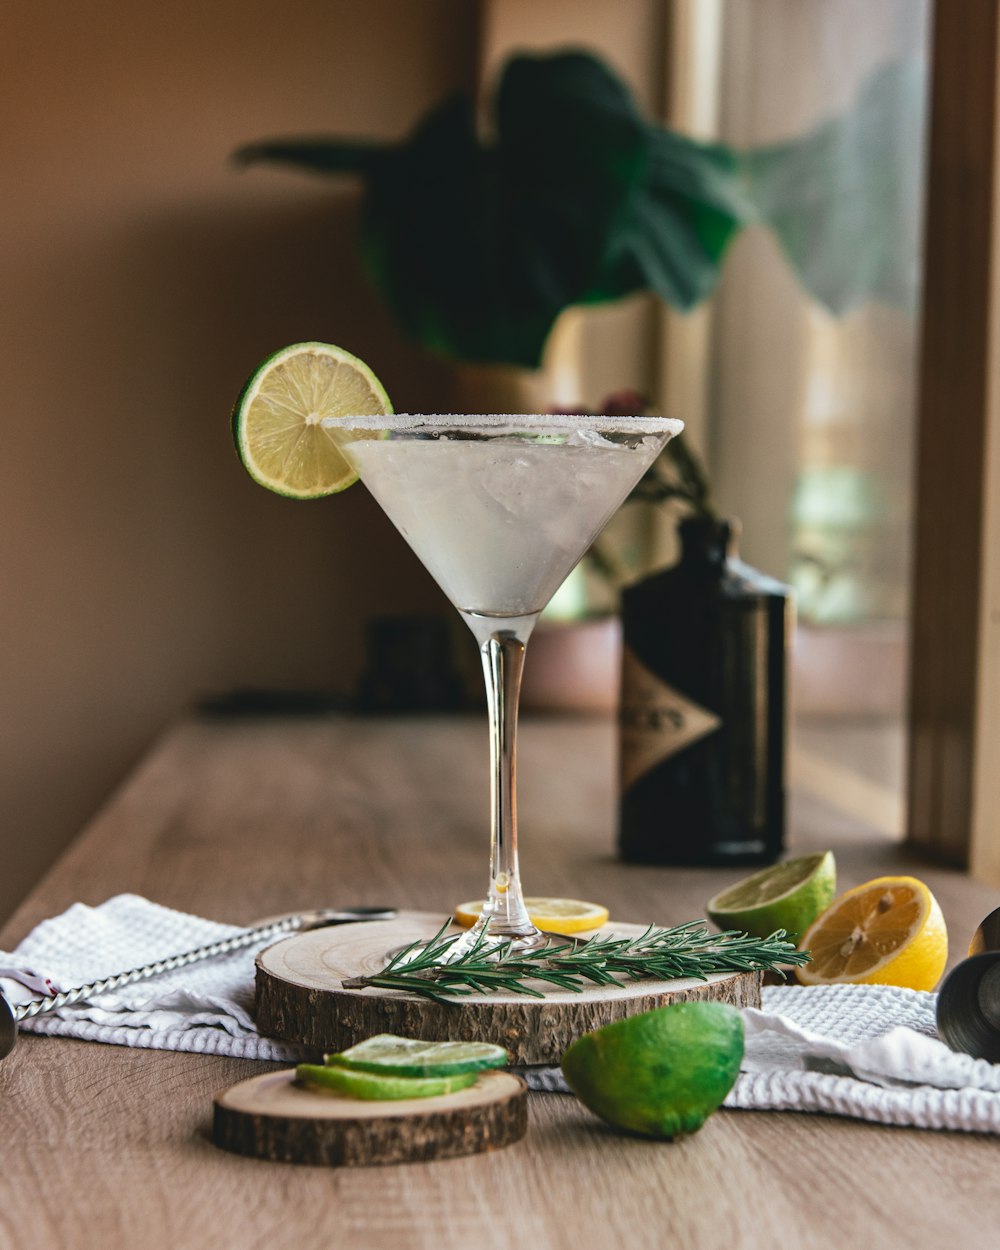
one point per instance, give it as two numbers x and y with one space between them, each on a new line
271 1117
300 996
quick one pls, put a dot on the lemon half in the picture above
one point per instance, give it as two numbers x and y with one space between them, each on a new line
889 931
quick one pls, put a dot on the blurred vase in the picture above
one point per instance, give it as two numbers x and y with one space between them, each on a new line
573 666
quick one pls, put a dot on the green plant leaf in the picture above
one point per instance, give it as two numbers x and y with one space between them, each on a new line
479 246
324 156
681 218
844 200
573 150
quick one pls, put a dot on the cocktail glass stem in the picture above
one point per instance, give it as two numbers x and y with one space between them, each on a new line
502 651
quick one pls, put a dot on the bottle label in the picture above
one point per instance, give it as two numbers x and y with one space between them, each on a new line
655 721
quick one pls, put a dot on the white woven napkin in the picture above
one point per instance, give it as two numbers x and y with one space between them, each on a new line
866 1051
204 1007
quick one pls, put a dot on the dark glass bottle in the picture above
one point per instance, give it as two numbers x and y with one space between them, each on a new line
702 722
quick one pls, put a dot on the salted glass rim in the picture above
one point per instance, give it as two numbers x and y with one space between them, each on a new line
560 422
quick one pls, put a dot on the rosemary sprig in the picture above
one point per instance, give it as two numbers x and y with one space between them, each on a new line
441 972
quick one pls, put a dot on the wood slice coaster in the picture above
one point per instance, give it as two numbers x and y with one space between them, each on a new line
300 997
270 1117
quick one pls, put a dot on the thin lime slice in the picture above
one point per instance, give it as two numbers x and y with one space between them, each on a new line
785 896
374 1088
279 415
406 1056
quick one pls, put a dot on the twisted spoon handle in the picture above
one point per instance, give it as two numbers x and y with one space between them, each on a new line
225 946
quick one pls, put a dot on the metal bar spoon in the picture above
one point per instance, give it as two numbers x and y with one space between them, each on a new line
10 1016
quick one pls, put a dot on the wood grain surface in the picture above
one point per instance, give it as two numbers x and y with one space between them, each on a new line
110 1147
300 996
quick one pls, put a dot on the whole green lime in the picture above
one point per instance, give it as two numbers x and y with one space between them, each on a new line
662 1073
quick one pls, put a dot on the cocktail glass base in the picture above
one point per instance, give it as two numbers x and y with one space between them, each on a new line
496 942
486 929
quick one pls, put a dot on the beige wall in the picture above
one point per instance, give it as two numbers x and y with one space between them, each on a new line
141 280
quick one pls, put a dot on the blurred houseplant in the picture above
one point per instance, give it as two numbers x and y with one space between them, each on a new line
481 228
479 238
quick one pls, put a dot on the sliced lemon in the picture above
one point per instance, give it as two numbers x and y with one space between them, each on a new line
889 931
278 418
554 915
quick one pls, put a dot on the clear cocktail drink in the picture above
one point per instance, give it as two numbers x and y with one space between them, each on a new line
500 509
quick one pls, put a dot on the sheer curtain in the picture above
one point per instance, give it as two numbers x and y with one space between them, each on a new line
796 379
808 356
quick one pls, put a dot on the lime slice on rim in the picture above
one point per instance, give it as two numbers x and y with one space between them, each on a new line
388 1055
785 896
278 418
374 1088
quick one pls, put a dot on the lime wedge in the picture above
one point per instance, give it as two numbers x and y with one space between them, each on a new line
785 896
388 1055
278 418
373 1088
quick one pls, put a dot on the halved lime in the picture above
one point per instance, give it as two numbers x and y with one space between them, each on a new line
388 1055
785 896
661 1073
374 1088
278 418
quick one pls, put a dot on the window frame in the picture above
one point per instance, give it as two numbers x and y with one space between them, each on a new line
954 737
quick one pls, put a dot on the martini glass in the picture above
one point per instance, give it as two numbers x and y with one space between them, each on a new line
500 509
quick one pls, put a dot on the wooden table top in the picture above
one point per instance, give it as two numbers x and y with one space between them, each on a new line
109 1147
